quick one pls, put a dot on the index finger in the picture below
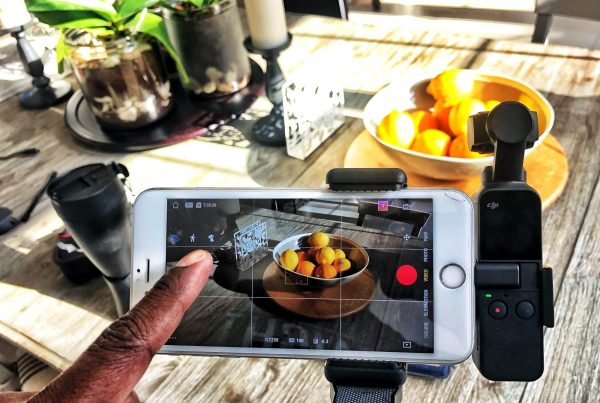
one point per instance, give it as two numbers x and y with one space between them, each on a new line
111 367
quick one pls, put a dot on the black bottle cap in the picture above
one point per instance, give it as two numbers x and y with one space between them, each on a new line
88 190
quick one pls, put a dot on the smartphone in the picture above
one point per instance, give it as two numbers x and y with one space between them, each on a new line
316 273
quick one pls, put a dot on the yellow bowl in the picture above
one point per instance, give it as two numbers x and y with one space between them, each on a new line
412 94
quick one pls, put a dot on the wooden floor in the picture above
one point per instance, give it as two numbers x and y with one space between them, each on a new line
55 320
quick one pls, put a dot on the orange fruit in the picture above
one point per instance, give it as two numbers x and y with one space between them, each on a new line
460 148
325 255
312 254
397 129
325 271
423 120
339 254
459 115
341 265
302 256
289 259
451 86
306 268
318 239
432 141
491 104
441 113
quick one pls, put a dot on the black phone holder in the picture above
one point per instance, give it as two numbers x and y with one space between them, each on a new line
362 380
513 291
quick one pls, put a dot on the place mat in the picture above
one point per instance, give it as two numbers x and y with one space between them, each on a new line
320 303
547 167
191 117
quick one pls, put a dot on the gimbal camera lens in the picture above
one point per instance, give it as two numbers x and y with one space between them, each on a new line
510 123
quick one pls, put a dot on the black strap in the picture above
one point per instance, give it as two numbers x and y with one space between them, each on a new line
360 381
364 394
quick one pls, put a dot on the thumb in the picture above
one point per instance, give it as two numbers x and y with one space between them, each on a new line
111 367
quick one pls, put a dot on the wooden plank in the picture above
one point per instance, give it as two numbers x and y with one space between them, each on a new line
571 353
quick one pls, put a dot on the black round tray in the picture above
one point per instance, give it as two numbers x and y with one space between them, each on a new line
190 117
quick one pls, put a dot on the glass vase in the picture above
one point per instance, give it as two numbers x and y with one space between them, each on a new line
122 78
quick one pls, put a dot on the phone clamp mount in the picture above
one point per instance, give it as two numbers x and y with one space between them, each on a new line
513 291
362 380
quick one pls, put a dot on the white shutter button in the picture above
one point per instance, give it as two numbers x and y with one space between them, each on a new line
452 276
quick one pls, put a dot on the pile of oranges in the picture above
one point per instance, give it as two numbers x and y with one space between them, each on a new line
441 131
320 260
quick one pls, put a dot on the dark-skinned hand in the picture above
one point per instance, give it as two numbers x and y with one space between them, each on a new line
113 365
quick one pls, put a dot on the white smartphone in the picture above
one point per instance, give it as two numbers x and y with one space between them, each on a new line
316 273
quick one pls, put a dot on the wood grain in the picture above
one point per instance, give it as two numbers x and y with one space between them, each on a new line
547 167
55 320
571 347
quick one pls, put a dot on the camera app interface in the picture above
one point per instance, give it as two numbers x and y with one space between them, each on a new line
335 274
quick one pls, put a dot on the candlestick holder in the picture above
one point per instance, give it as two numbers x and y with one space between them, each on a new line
270 129
43 93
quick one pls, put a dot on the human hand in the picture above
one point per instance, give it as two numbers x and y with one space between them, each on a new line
113 365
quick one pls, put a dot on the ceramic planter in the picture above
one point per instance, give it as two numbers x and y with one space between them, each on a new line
209 42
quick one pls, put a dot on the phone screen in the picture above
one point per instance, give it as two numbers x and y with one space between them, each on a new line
326 273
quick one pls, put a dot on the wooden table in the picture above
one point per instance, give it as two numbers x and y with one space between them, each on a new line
55 320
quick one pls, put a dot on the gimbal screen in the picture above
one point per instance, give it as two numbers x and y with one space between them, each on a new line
336 274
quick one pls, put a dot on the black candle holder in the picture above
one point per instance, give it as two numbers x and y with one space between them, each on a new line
270 129
43 93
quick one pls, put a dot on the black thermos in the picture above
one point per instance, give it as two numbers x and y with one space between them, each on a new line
92 202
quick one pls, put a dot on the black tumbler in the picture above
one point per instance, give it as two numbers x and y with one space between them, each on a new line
92 202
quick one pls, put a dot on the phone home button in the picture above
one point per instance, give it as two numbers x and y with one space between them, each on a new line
452 276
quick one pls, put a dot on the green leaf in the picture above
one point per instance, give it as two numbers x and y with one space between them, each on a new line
202 3
127 8
104 9
154 26
72 19
60 52
84 23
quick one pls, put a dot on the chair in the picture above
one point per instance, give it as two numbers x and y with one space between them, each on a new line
546 9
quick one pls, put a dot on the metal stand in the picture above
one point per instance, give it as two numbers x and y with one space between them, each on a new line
44 93
270 130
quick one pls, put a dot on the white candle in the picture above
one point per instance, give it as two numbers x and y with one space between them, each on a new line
266 20
13 13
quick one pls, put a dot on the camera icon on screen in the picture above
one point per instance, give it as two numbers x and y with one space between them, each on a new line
406 344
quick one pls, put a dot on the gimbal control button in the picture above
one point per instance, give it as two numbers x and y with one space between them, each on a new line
497 309
452 276
525 310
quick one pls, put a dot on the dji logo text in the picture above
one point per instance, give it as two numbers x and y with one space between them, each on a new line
493 205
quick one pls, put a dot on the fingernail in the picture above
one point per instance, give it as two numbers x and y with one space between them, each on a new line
193 257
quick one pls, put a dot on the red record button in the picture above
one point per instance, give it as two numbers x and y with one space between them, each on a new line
406 275
497 309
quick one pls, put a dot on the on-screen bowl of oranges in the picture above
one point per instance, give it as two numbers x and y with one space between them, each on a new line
423 121
319 259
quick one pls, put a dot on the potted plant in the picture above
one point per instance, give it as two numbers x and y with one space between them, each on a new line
207 35
110 49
